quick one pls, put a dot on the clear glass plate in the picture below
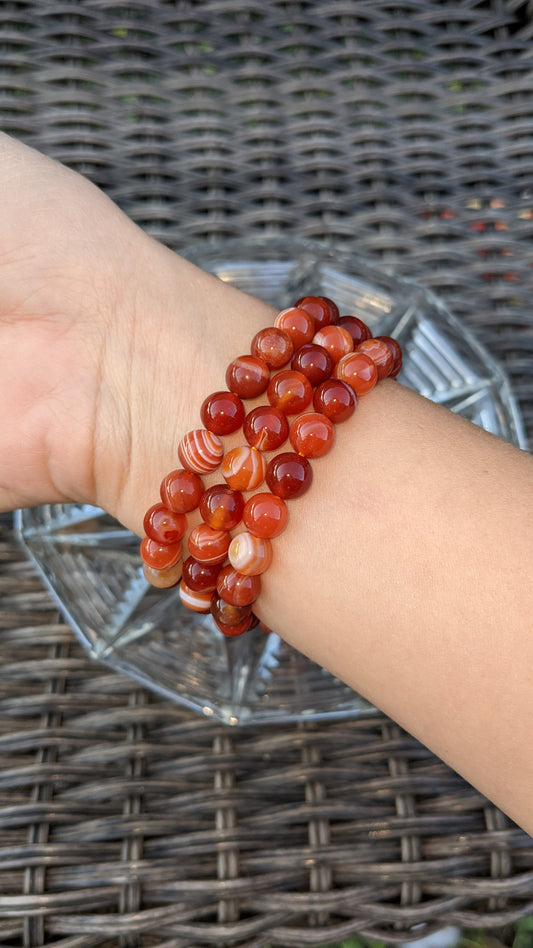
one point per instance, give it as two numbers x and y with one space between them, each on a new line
91 564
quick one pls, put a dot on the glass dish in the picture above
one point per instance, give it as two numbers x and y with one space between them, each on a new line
91 564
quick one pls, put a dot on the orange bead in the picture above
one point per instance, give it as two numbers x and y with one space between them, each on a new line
298 324
380 354
312 435
181 490
335 340
358 371
162 578
247 376
323 310
208 545
290 391
197 600
236 588
164 525
249 554
160 556
274 346
243 468
265 515
200 451
396 351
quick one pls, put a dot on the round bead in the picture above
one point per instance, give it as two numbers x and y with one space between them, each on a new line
265 515
312 435
335 399
380 354
297 323
358 371
336 340
396 351
200 577
314 362
236 588
198 601
323 310
227 615
244 468
274 346
289 475
358 330
162 578
222 413
249 554
266 428
181 490
208 545
200 451
164 525
221 507
247 376
290 391
160 555
232 631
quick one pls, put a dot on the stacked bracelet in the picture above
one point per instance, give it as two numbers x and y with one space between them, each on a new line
333 360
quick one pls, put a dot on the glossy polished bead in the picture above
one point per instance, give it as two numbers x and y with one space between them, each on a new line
221 507
164 525
208 545
162 578
396 351
380 354
249 554
200 577
289 475
228 615
236 588
358 330
289 391
314 362
323 310
200 451
335 399
243 468
274 346
222 413
312 435
247 376
336 340
358 371
232 631
181 490
198 601
265 515
297 323
160 555
266 428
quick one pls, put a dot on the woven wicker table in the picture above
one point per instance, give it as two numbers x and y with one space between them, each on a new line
402 131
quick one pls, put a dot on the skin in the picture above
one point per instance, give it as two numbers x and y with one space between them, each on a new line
423 605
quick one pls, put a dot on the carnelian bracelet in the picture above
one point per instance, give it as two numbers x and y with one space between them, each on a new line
333 360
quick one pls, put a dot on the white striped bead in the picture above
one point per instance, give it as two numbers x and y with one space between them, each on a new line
249 554
244 468
197 601
200 451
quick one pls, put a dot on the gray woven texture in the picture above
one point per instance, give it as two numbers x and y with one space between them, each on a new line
403 131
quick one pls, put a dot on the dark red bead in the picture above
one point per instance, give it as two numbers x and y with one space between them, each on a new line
290 391
289 475
222 413
396 351
200 577
266 428
221 507
335 399
358 330
323 310
314 362
226 614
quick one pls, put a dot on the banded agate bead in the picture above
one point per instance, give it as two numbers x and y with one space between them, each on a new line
266 428
396 351
236 588
228 615
162 578
200 577
323 310
358 330
335 399
160 556
197 600
335 340
247 376
297 323
380 354
265 515
181 490
313 361
358 371
221 507
249 554
312 435
274 346
289 475
243 468
164 525
208 545
232 631
200 451
222 413
290 391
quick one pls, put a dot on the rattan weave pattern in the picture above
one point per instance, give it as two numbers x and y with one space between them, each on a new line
403 130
